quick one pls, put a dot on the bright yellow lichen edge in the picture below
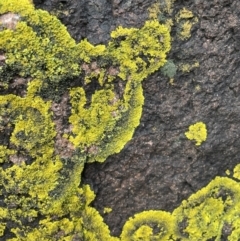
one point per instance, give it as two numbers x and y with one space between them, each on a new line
42 196
210 214
197 132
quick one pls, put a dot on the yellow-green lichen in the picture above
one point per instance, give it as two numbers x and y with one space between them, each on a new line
236 172
227 172
154 10
186 19
149 225
203 216
197 132
48 54
107 210
184 14
142 52
206 212
197 88
182 21
107 124
41 183
160 7
186 68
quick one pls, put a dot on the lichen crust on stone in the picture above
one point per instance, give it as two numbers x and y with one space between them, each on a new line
43 112
52 125
197 132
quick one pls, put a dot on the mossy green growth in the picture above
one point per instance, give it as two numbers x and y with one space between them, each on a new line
169 69
197 132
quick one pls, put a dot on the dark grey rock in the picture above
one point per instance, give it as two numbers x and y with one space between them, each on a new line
95 20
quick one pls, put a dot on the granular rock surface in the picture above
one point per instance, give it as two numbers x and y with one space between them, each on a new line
160 167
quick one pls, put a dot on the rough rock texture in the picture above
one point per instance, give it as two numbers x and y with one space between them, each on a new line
96 19
160 167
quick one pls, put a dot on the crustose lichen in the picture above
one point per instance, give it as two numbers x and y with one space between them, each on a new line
197 132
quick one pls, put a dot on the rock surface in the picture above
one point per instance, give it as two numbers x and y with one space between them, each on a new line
160 167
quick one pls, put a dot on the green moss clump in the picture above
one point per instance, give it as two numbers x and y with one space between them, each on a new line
169 69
